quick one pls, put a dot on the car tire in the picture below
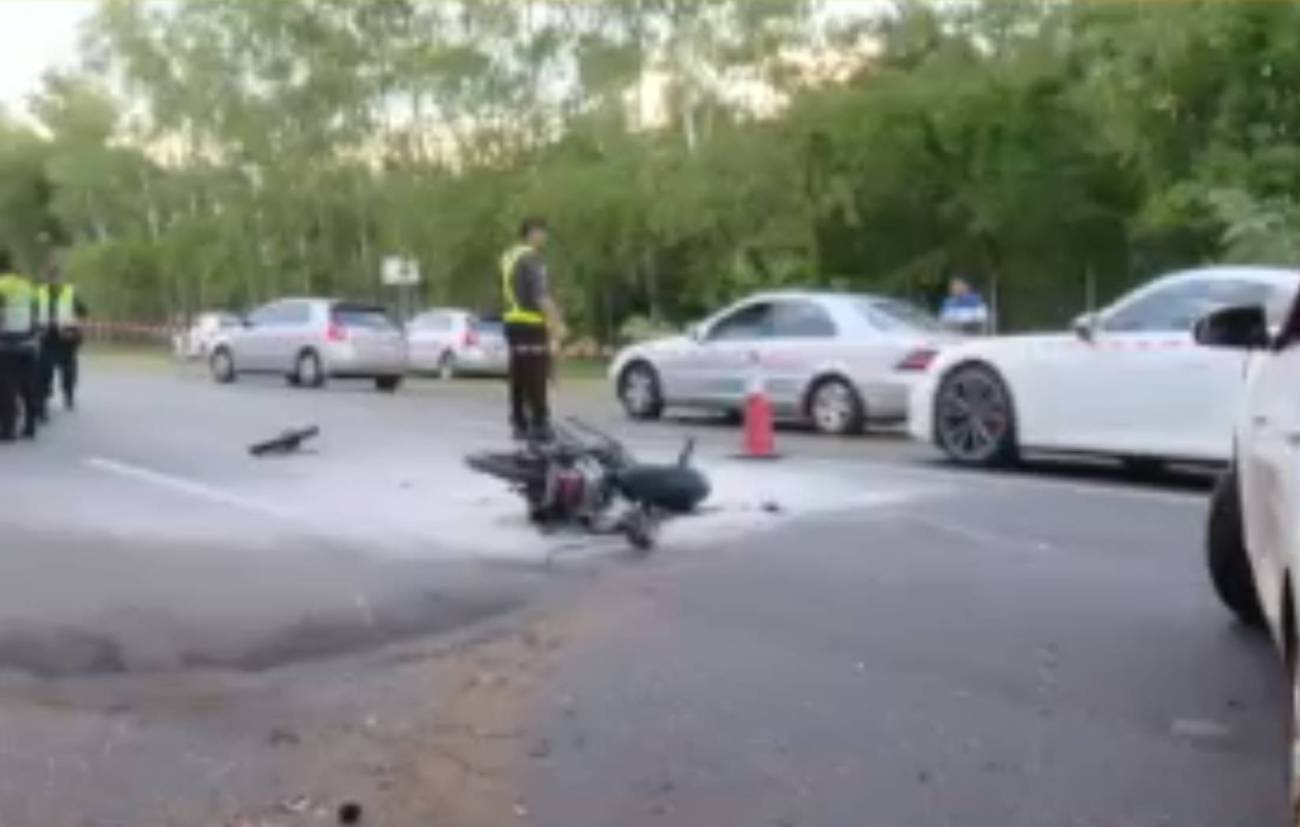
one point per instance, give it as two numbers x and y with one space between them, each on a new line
640 391
447 367
222 366
1226 556
835 408
308 371
974 417
388 384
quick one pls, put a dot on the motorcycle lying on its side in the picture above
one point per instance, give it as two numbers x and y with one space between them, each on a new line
586 480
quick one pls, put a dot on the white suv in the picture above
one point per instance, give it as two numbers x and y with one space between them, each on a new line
1254 527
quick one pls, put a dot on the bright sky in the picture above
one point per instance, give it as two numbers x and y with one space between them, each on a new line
35 36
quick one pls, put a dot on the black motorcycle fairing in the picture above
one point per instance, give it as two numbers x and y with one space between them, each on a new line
677 489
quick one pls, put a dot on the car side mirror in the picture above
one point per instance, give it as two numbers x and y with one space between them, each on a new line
1085 326
1240 328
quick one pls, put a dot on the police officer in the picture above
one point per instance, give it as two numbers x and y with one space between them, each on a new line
61 312
18 348
531 317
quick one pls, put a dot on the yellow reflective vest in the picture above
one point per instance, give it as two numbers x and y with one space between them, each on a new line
514 314
62 313
17 305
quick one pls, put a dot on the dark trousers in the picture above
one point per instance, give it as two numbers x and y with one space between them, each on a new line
530 375
19 381
59 353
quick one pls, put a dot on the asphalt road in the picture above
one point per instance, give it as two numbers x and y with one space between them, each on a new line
853 635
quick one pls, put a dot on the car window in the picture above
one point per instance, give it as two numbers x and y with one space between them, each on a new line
488 327
801 320
362 317
1179 306
270 314
753 321
432 321
296 313
893 316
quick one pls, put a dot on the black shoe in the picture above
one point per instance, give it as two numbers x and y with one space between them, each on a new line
518 433
29 432
69 404
6 436
543 435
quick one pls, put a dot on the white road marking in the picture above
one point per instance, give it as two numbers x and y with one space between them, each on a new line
180 485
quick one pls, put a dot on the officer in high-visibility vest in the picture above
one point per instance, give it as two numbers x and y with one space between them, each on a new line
532 323
18 335
62 312
42 324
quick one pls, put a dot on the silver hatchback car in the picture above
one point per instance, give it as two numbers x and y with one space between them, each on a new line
839 360
449 342
309 341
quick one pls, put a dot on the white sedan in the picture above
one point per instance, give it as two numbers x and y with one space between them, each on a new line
838 359
1254 527
1128 382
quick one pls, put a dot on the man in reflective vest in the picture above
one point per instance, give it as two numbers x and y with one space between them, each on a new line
531 319
18 334
61 312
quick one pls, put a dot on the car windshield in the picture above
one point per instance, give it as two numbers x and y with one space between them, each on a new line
362 316
894 316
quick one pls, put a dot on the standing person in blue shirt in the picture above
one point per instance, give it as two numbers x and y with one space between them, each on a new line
964 309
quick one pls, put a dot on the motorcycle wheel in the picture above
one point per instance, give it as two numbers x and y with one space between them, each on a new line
642 530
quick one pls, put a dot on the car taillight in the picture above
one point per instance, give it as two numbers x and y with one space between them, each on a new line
918 360
336 332
471 337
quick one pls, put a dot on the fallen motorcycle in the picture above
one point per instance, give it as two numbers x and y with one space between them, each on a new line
586 480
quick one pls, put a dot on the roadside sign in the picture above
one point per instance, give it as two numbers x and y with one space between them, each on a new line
400 272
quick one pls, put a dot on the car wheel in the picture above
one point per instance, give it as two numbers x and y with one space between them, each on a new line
388 384
1226 555
1293 713
974 421
447 366
639 391
222 365
308 370
835 407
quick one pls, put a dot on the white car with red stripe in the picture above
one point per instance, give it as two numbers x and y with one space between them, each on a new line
1129 381
839 360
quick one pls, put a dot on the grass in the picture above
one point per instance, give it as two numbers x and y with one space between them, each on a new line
158 355
590 370
153 355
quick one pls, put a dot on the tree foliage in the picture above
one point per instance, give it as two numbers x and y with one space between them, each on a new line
221 152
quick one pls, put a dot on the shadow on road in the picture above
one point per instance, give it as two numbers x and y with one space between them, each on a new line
1102 472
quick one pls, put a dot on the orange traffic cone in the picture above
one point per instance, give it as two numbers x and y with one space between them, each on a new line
759 430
